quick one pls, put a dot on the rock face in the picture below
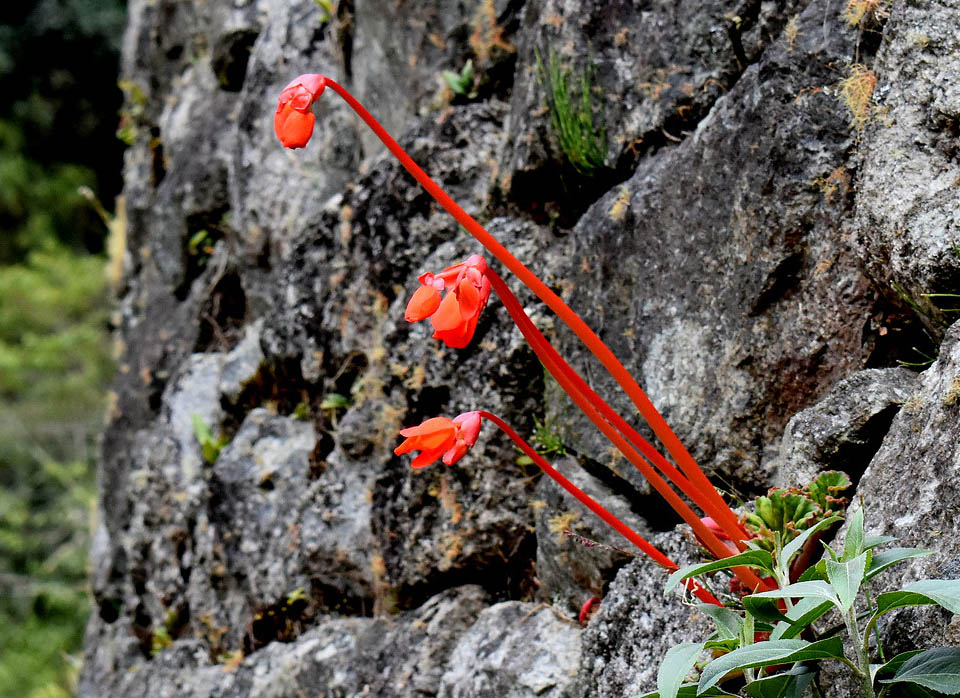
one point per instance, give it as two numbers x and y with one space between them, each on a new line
734 240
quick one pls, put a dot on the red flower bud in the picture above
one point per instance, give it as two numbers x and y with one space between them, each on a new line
293 121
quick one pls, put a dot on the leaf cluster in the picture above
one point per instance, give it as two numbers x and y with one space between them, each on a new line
785 512
210 445
461 83
771 641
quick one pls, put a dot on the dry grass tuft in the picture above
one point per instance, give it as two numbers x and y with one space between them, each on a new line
858 12
856 91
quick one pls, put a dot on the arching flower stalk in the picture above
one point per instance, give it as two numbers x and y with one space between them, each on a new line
460 433
457 322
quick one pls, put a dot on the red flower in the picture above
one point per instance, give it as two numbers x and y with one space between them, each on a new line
293 120
454 318
450 438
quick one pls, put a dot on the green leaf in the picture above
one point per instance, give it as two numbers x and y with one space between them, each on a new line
877 671
728 622
676 666
803 613
814 572
870 542
758 603
689 690
826 488
945 592
200 429
791 684
853 545
334 401
885 559
937 669
768 653
782 510
460 82
727 645
846 577
466 75
796 545
749 558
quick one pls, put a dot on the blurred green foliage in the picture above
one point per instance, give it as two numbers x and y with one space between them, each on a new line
58 75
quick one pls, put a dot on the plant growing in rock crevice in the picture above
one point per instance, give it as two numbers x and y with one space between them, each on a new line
573 116
770 641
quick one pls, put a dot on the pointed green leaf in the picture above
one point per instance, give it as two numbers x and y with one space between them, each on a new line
945 592
791 684
870 542
768 653
883 560
846 577
797 543
728 622
814 572
879 671
937 669
756 603
749 558
689 690
853 545
676 666
200 429
727 645
803 613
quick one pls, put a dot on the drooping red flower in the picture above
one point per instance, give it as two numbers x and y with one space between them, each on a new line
439 436
293 120
453 316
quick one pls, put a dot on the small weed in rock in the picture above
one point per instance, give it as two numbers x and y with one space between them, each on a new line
583 141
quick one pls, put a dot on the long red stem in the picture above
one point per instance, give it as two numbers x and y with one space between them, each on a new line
660 427
570 379
550 360
595 506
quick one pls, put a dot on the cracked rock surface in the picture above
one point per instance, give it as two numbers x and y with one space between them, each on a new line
736 248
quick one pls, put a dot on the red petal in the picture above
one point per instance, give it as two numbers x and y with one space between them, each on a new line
469 298
430 434
458 451
447 316
423 303
293 128
427 458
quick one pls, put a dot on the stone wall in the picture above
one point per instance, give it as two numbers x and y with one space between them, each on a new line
755 255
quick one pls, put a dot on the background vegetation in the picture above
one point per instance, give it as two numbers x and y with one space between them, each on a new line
58 78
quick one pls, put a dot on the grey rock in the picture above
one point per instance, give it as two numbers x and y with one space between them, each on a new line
843 430
731 288
339 658
655 70
242 363
906 213
514 650
909 488
635 625
571 568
